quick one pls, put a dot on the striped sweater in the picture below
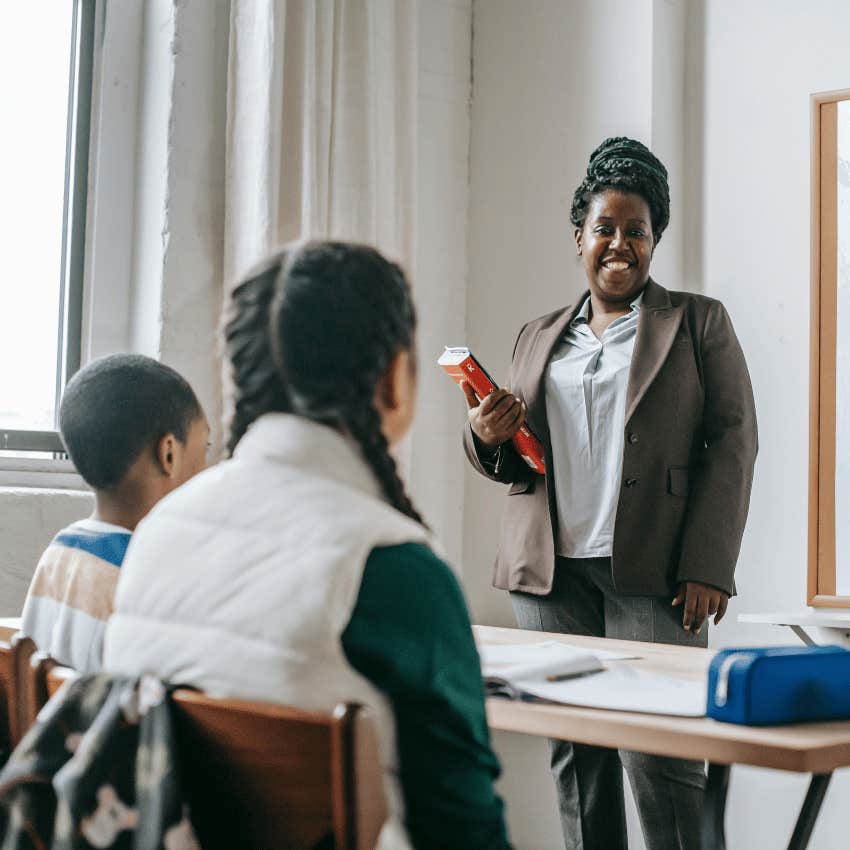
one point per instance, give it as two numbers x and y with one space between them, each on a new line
71 594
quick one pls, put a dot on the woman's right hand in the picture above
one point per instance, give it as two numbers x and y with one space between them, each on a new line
496 419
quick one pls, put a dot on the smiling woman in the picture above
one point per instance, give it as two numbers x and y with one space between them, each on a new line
642 400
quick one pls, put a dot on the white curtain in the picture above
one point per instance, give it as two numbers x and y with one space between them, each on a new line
321 131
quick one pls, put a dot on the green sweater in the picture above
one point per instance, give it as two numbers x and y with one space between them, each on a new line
410 636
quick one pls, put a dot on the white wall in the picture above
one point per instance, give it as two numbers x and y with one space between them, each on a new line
29 518
762 60
720 90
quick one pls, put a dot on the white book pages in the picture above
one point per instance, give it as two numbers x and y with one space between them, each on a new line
559 672
516 658
453 355
503 665
623 688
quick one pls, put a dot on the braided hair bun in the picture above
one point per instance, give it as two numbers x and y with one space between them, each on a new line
625 165
313 331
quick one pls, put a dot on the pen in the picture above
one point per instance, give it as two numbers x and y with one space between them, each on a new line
564 676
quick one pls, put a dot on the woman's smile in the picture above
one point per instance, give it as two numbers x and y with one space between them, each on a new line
616 245
613 264
617 267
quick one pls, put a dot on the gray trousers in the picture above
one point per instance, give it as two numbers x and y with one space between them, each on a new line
589 780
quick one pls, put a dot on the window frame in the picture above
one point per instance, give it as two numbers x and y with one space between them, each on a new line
75 205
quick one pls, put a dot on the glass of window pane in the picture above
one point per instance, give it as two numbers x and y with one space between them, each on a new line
35 58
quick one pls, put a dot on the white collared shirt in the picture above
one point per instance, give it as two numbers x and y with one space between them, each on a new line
586 384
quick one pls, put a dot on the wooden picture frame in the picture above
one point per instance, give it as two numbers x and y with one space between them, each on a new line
821 590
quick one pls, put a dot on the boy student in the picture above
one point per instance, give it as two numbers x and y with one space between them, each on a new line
135 431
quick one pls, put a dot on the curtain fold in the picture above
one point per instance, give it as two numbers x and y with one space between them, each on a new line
321 134
321 131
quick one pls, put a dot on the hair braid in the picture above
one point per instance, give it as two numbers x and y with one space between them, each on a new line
364 424
313 332
257 385
625 165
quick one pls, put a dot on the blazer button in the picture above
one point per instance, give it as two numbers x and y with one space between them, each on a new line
633 438
631 482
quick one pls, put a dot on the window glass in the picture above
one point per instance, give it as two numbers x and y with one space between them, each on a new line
35 58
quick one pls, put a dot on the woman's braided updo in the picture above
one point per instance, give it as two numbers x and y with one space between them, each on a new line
313 332
625 165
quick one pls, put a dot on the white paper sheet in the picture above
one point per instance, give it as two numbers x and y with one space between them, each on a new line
625 688
499 658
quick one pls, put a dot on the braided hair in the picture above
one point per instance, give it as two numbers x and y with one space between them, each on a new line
625 165
256 383
313 332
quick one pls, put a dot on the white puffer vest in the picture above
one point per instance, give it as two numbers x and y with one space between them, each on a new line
242 581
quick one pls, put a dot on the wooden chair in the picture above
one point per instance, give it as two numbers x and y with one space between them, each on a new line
8 703
258 775
15 657
33 690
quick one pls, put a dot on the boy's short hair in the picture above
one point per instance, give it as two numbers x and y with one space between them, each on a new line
118 406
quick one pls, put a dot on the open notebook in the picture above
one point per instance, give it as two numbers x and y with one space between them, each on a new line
557 672
509 668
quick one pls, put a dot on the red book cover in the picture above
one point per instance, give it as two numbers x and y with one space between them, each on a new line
460 365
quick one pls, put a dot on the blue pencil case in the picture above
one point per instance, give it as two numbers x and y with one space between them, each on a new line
779 684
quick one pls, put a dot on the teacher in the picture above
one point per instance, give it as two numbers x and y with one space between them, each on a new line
642 400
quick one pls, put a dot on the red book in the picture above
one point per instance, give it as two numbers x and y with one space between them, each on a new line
460 365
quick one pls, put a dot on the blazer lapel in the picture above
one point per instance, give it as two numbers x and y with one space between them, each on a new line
544 347
657 325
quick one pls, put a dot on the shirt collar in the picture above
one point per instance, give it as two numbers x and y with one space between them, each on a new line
98 526
583 314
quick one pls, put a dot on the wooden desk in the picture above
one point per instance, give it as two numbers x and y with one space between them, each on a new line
8 627
816 748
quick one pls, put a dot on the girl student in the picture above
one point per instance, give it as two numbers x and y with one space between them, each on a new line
298 571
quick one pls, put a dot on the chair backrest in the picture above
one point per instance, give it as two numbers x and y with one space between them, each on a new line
263 775
8 704
14 673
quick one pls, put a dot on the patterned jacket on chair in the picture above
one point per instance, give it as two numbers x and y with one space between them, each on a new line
97 770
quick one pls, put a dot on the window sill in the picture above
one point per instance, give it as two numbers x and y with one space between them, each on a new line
43 474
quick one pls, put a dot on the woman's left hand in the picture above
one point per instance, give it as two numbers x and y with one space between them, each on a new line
701 601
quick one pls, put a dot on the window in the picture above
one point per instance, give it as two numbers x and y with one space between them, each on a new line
45 88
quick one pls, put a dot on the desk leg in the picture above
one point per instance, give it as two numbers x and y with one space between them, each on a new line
714 808
803 635
809 812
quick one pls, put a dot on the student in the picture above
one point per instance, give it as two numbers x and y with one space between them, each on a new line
299 572
135 431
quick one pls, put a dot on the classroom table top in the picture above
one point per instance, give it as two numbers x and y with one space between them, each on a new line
803 748
8 627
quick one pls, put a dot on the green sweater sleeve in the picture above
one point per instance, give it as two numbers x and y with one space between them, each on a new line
410 636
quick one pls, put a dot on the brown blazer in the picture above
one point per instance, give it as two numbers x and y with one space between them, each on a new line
689 451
